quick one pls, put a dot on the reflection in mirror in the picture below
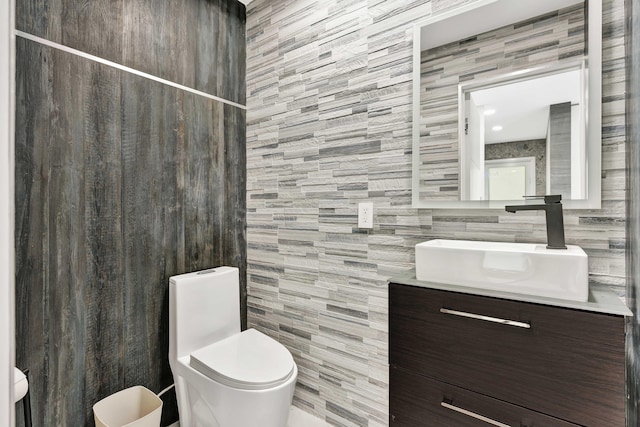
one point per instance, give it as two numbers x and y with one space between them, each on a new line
533 127
501 108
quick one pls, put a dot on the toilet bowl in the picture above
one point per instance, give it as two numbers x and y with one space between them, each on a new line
224 377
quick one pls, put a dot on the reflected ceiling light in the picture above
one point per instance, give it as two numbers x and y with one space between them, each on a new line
497 128
489 112
519 72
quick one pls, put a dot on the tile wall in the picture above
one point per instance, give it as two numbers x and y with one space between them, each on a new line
329 126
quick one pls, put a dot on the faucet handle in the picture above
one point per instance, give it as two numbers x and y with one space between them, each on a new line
549 198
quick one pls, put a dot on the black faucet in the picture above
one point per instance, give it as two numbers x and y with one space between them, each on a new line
555 223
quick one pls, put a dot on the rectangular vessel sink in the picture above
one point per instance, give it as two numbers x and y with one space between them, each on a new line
521 268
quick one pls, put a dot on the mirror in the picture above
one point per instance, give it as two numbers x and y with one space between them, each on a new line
524 136
507 103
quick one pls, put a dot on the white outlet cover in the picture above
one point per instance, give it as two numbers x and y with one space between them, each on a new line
365 215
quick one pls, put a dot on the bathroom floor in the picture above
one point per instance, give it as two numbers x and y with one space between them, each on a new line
297 418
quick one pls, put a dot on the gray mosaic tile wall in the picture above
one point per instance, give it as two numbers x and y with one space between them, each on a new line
328 126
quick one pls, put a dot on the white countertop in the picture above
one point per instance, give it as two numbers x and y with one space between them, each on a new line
601 298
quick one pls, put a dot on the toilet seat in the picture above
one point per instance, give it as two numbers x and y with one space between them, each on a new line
249 360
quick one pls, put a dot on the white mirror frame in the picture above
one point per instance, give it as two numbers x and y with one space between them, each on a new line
594 113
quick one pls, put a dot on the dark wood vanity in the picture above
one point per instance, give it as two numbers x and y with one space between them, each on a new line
460 359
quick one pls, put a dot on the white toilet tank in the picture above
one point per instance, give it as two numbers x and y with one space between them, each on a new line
204 308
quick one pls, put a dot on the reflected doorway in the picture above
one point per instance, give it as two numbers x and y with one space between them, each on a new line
510 179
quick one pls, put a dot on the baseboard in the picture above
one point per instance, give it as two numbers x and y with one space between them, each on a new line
297 418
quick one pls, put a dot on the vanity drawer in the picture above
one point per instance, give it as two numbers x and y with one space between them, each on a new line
421 401
565 363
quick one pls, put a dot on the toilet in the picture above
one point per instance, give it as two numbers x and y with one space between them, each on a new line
224 377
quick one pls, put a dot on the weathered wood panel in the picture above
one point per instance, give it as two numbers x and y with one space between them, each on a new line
151 163
85 249
73 153
235 226
199 44
220 50
91 26
201 155
159 38
121 182
31 228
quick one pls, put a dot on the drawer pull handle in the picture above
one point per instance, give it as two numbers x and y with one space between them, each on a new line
473 415
486 318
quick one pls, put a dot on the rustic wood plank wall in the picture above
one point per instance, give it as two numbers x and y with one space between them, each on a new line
121 182
195 43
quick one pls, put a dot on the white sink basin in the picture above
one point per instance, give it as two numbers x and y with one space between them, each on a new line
521 268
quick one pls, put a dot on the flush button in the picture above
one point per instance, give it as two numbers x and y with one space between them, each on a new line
211 270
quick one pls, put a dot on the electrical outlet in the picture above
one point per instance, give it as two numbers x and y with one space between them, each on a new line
365 215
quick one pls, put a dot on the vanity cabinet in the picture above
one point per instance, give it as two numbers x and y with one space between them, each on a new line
466 360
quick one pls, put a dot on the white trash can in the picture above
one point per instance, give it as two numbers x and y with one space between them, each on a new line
132 407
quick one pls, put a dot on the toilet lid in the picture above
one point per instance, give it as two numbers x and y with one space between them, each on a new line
249 360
